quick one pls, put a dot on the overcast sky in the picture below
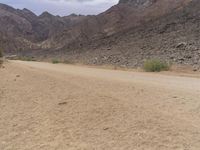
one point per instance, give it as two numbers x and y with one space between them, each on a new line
63 7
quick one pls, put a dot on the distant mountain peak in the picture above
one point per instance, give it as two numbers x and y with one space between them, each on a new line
27 11
46 14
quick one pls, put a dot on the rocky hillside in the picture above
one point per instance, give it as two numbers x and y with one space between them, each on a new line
127 14
127 34
23 30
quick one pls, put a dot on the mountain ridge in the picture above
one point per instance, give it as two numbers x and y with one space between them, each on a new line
126 34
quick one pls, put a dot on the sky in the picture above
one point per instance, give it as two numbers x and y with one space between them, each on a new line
63 7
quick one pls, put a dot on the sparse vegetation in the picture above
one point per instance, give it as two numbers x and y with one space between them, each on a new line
1 62
1 53
55 61
26 58
67 62
1 57
155 65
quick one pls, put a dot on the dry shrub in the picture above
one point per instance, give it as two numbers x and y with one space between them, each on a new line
155 65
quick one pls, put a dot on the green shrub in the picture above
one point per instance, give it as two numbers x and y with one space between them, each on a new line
55 61
1 57
155 65
1 62
1 53
26 58
29 59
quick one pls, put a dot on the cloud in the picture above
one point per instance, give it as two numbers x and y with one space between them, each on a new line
63 7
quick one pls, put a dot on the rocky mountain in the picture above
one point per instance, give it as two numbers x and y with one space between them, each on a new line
126 34
118 18
23 30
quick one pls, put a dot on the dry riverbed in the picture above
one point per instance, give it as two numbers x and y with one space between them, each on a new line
64 107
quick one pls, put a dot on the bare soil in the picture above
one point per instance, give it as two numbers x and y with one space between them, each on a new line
64 107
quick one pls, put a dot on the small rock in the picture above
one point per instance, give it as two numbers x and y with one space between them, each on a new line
181 44
105 128
17 76
188 56
195 69
62 103
181 59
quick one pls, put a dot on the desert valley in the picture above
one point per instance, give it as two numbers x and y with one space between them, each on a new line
125 79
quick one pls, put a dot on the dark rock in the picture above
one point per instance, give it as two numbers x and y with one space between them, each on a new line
62 103
181 45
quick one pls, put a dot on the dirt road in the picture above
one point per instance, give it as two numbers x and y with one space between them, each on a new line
63 107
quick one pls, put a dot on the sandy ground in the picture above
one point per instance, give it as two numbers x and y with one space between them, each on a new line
61 107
